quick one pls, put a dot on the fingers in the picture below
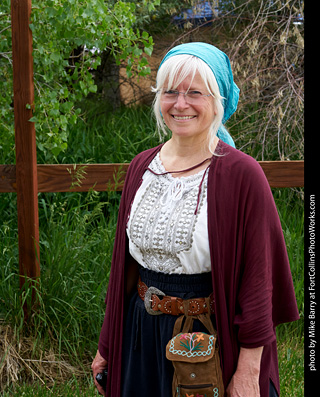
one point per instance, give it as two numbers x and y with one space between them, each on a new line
98 365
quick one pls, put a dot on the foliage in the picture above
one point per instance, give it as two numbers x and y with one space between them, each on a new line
267 52
68 36
76 238
76 241
291 360
106 137
263 39
6 86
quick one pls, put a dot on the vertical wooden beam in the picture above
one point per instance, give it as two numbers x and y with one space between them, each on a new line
25 139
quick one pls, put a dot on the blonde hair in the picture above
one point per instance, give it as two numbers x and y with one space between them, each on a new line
175 70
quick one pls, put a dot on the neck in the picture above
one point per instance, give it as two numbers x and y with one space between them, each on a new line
181 149
177 155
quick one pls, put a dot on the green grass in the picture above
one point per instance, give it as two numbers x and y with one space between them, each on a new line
76 235
291 378
76 241
72 388
291 336
111 137
291 366
291 213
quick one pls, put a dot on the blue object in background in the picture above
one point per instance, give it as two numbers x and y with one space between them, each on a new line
200 14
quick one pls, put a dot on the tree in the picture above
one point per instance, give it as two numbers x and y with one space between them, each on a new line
68 36
268 63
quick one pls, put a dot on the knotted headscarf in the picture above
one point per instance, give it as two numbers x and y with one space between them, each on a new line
219 63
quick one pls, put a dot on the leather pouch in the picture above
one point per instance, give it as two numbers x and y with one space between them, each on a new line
196 362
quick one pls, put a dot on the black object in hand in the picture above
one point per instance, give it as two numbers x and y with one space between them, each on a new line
102 379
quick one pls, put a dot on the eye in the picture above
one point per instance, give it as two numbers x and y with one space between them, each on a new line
171 92
194 94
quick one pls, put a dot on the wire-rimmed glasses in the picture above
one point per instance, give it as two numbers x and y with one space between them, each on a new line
191 97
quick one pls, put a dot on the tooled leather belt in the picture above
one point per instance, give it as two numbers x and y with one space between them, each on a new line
156 302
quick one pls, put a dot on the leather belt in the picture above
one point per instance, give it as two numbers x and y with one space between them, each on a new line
156 302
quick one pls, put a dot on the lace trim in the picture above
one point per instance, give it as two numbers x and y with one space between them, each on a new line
157 166
164 220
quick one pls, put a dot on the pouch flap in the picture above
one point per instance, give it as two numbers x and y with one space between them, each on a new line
191 347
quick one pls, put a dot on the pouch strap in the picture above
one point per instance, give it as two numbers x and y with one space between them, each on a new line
188 324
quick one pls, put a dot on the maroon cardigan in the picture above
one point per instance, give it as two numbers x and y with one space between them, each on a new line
251 275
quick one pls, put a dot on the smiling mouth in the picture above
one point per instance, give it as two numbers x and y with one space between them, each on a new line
183 117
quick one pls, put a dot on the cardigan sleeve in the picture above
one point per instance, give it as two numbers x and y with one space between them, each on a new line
110 340
250 270
265 296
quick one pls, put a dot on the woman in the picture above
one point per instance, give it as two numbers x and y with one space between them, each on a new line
196 216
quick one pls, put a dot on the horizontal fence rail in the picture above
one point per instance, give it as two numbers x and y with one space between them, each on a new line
101 177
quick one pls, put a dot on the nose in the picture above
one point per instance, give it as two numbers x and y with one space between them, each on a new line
181 101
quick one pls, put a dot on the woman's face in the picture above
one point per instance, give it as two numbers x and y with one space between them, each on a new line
189 120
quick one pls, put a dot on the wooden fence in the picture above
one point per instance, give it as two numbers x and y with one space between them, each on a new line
83 177
27 178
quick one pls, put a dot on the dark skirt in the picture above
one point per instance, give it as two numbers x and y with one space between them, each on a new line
145 368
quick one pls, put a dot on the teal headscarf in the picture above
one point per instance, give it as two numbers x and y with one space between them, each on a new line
219 63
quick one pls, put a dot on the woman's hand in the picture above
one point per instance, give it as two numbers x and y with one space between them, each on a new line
98 365
243 385
245 381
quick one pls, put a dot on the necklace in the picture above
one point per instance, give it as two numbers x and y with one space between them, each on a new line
185 170
180 171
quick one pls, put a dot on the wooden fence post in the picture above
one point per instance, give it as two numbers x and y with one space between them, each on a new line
25 139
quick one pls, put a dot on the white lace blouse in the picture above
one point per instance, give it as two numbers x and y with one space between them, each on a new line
167 228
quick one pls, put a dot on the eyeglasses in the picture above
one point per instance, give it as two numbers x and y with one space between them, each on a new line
171 96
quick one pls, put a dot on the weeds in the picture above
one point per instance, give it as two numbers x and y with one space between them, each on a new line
268 60
59 340
76 238
112 137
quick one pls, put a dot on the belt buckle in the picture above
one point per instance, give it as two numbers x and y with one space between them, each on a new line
147 300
